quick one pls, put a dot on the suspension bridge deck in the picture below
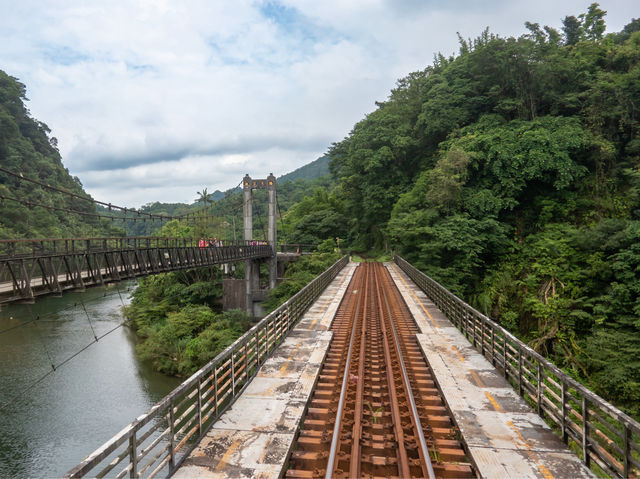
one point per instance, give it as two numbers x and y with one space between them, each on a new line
503 436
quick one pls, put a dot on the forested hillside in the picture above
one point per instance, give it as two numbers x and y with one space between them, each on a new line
511 174
310 171
28 210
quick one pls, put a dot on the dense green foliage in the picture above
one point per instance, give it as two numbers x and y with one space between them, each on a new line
178 319
511 174
177 315
25 147
302 272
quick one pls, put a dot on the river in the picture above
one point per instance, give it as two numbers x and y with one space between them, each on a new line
48 428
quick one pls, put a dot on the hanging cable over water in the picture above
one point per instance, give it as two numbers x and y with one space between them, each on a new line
42 317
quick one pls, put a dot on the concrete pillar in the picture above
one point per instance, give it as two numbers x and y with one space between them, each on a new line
271 233
247 214
247 208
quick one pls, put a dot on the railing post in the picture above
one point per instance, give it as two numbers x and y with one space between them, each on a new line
233 375
465 326
257 349
493 346
133 456
540 392
215 390
199 407
246 361
473 328
482 336
585 431
172 452
505 355
565 435
626 447
520 391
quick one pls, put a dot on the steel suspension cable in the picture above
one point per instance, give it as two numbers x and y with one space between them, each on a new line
110 206
41 317
55 367
39 336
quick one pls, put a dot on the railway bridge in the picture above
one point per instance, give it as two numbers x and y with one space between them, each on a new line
375 370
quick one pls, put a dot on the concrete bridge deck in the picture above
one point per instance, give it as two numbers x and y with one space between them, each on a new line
253 438
504 436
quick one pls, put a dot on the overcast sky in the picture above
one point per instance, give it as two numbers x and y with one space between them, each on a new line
152 100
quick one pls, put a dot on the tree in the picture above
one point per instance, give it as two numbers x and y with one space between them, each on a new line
594 25
204 197
573 30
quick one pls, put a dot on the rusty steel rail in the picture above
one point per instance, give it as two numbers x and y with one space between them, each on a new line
335 443
160 439
375 411
30 268
424 450
606 438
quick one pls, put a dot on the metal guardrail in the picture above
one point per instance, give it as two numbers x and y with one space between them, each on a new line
599 432
160 439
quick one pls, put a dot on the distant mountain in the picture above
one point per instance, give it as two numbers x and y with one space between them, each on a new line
219 194
310 171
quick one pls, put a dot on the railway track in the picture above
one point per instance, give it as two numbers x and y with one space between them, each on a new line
375 411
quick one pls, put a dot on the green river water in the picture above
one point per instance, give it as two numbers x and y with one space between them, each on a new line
52 426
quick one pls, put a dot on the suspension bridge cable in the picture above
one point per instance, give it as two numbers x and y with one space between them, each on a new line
280 213
22 393
29 203
227 194
89 320
41 317
121 300
110 206
44 345
21 177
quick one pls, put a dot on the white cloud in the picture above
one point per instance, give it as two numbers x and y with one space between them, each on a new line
152 100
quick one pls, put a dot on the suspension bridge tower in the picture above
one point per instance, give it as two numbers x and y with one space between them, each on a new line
252 267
